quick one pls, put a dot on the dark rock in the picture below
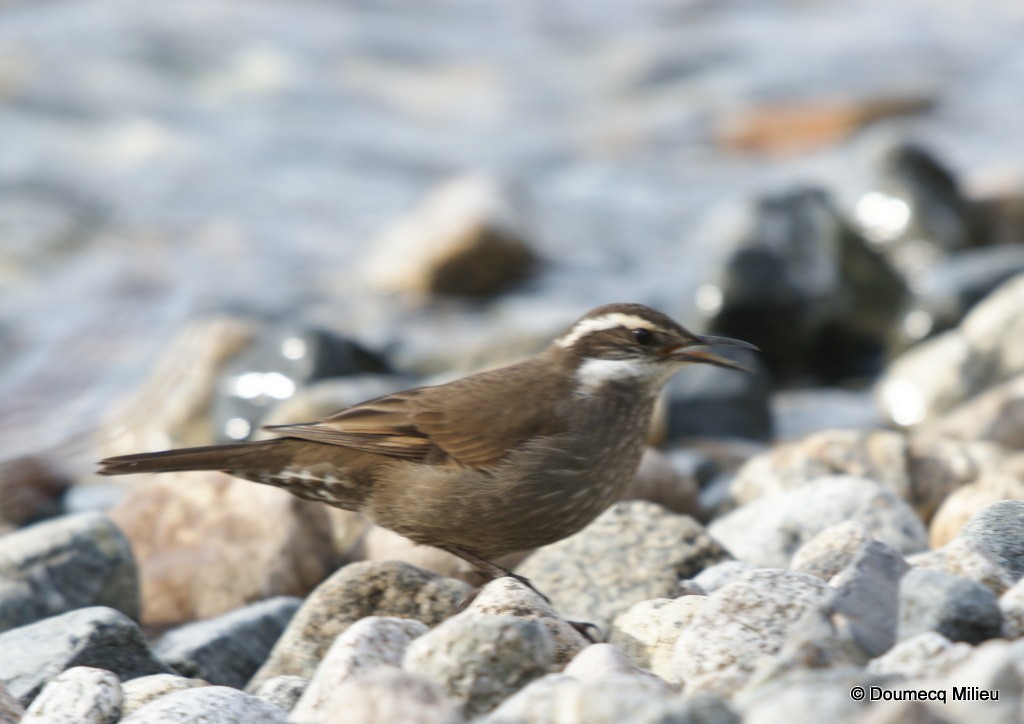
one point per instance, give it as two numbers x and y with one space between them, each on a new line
633 552
997 529
31 489
806 288
60 565
707 401
227 649
274 367
97 636
957 607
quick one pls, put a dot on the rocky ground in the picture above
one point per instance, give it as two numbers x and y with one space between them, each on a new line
223 216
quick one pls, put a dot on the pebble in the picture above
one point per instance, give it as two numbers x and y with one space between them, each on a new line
96 636
207 543
964 557
957 607
720 574
369 643
563 699
144 689
507 596
32 488
604 661
1011 603
466 238
996 415
220 704
769 530
381 695
925 654
966 501
647 632
228 649
742 623
79 695
367 588
64 564
831 550
633 552
997 529
480 660
11 710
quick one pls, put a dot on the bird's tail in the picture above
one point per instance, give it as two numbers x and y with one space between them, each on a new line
213 457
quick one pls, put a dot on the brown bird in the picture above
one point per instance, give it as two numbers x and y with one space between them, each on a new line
494 463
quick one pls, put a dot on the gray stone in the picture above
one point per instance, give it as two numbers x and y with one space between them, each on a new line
80 695
956 607
926 654
741 624
633 552
96 636
384 694
506 596
369 588
966 501
769 530
227 649
562 699
480 660
604 661
365 645
997 529
283 691
996 414
63 564
647 632
831 550
220 704
807 696
994 667
965 557
145 689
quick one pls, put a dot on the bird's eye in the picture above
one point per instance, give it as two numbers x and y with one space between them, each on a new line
642 336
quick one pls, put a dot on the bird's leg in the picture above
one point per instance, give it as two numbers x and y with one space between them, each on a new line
492 571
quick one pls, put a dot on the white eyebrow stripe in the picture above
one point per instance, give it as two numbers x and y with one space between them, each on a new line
596 324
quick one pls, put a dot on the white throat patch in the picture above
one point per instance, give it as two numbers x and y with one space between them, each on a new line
596 324
595 373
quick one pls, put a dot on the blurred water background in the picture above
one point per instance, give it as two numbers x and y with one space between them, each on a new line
164 161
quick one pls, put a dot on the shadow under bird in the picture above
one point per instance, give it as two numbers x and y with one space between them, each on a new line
497 462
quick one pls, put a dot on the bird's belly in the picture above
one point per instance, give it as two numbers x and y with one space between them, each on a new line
529 502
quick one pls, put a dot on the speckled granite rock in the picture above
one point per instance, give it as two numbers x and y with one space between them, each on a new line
965 557
958 608
831 550
283 691
508 597
769 530
99 637
480 660
368 588
647 632
633 552
219 704
144 689
1011 604
365 645
740 624
384 694
80 695
59 565
924 654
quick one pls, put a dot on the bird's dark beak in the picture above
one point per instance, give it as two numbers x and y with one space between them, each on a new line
693 352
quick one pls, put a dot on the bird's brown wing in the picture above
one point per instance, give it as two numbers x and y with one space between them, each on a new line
462 419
